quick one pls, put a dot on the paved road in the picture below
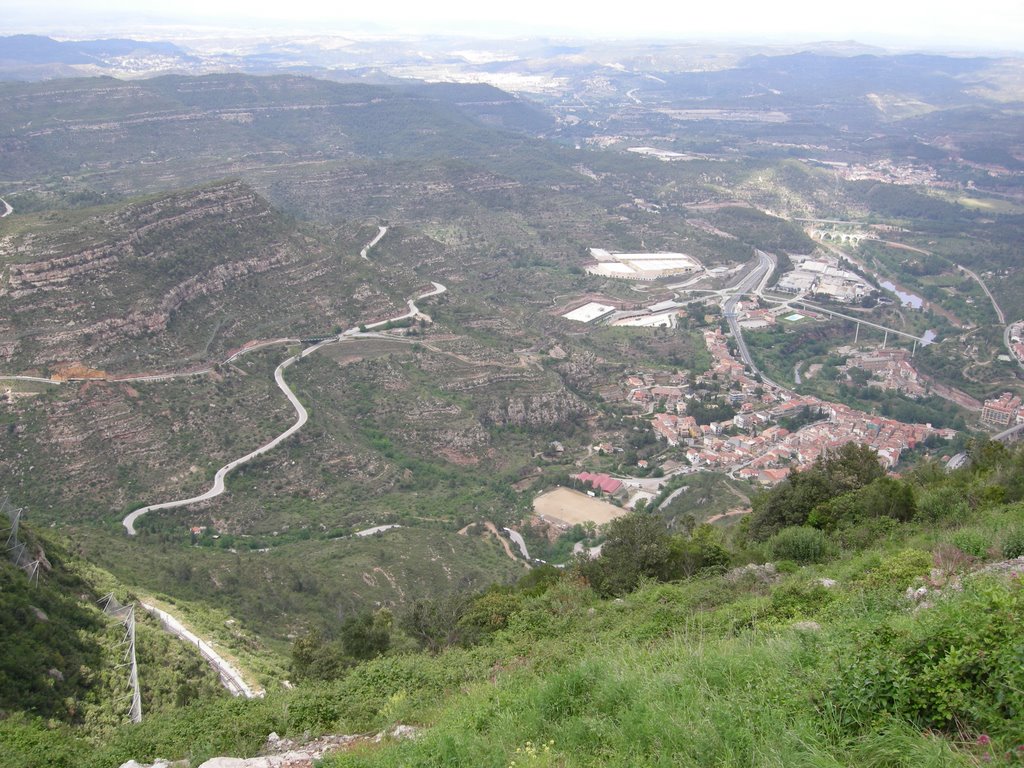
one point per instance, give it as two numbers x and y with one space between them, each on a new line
365 252
672 496
592 552
146 377
979 281
957 461
413 312
302 416
29 378
999 313
832 313
647 484
230 677
1009 346
519 541
218 481
974 276
1006 434
757 276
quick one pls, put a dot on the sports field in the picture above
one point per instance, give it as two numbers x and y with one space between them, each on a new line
568 506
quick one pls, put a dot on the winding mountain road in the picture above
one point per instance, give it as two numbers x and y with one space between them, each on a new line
413 312
301 414
7 209
218 481
520 542
366 250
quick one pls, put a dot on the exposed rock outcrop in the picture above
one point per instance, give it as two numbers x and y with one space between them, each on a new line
80 291
537 410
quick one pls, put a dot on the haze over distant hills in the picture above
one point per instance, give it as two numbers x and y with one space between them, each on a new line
528 65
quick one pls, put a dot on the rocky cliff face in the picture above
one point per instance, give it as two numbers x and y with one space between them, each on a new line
82 290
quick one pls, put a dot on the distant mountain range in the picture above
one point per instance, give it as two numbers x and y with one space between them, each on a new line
35 57
36 49
537 66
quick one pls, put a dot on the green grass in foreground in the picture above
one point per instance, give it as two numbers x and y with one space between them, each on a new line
694 698
721 669
705 672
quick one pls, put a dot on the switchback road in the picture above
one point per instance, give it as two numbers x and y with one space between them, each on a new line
301 414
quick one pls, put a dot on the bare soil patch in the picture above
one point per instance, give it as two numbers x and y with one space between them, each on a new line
564 505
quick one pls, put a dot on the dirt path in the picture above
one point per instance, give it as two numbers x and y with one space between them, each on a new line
726 515
503 541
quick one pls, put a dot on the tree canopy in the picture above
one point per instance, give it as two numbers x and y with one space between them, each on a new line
836 472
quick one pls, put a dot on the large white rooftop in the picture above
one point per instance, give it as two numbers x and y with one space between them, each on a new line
588 312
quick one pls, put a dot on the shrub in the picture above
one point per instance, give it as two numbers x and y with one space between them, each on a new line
955 667
365 635
796 599
638 546
1013 544
899 570
942 503
489 612
971 542
802 545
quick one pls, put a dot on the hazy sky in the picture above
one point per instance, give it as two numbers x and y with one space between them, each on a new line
932 23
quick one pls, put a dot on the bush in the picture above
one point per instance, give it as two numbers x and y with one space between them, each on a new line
365 635
834 473
971 543
489 613
796 599
1013 544
638 546
942 503
955 667
801 545
899 570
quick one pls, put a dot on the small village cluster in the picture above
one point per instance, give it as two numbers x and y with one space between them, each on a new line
753 444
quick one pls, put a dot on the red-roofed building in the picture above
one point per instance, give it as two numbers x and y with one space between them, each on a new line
600 482
773 476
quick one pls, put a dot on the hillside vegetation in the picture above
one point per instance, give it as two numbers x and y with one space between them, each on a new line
158 225
63 657
877 635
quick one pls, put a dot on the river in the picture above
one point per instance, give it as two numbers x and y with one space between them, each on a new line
907 299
